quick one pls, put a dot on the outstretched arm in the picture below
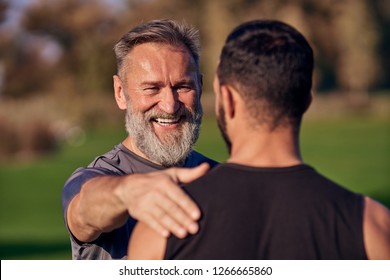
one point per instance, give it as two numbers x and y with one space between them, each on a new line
376 229
105 202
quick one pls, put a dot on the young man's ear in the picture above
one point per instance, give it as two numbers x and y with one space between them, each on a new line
228 100
119 93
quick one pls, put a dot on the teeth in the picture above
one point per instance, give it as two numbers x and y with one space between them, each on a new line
161 120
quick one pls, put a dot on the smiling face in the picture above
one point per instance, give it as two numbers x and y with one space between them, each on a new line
162 86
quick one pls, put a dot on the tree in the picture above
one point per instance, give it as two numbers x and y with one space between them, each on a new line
83 29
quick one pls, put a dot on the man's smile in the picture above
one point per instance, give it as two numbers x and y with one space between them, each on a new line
167 121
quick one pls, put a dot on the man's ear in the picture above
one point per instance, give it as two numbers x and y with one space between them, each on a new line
119 93
228 100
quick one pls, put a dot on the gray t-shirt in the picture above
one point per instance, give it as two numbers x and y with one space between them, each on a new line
119 161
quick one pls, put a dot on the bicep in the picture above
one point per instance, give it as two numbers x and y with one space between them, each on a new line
146 244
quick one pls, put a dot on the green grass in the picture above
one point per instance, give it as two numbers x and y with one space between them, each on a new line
30 199
354 152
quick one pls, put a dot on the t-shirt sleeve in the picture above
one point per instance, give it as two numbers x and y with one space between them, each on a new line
76 180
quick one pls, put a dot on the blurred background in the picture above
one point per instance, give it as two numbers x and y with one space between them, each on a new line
57 110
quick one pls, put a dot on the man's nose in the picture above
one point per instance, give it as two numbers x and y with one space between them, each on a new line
169 101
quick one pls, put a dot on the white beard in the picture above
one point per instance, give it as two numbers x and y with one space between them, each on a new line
173 148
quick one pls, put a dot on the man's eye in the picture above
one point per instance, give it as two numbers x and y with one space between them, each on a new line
184 89
151 89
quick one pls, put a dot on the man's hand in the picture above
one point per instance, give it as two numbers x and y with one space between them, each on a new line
157 200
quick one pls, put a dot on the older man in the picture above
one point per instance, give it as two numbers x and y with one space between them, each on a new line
158 83
265 202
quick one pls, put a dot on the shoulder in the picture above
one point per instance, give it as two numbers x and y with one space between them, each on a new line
101 166
110 160
376 227
122 161
195 159
81 175
326 187
214 180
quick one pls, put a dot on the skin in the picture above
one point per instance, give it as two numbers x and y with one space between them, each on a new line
165 78
154 80
262 147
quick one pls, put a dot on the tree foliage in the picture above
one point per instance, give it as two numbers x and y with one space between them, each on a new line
66 45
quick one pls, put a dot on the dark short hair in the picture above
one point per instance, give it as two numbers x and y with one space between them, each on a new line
271 65
163 31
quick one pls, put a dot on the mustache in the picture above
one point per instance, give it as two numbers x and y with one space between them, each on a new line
156 113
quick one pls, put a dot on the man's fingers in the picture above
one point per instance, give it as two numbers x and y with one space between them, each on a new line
163 214
175 219
170 223
153 223
178 196
187 175
164 206
185 203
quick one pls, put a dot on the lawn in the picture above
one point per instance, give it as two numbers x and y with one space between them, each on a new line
354 152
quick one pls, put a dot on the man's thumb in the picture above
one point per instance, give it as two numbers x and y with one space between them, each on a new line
187 175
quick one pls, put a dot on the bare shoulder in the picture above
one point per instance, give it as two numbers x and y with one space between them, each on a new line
376 228
145 244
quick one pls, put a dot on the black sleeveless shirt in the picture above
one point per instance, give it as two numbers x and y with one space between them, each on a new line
272 213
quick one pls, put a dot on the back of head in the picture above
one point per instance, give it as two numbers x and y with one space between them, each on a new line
162 31
270 64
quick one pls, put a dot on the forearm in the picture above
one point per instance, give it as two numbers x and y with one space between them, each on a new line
105 203
97 208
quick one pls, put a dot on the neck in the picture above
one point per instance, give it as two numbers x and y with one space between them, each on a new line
263 148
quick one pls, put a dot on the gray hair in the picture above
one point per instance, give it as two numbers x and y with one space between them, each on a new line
158 31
